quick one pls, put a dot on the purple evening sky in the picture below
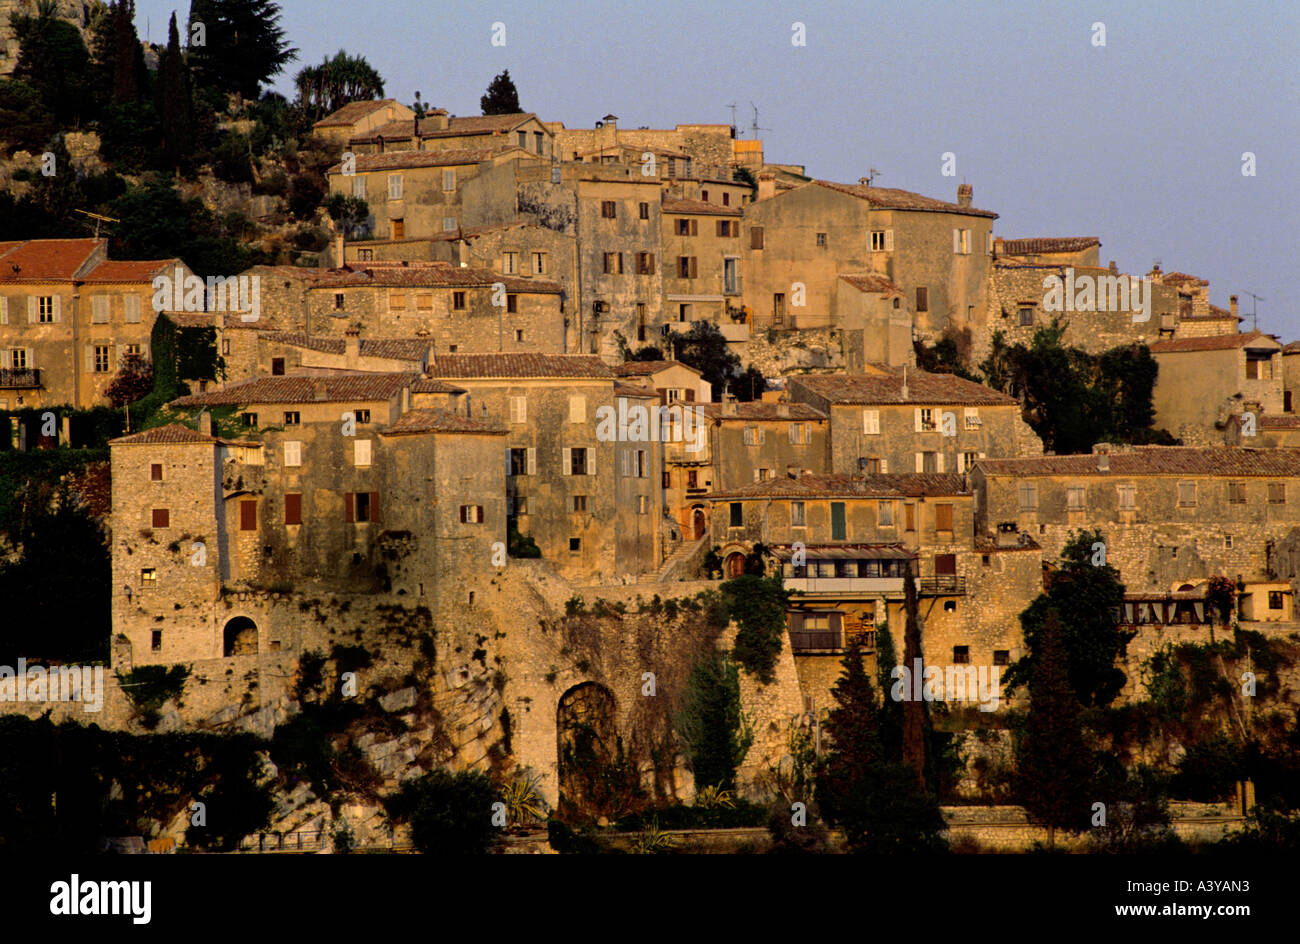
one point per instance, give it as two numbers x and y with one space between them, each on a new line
1139 142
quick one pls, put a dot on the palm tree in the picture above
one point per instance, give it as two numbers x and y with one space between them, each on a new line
337 81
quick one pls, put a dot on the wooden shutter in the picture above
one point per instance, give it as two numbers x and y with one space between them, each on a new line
961 462
889 240
566 461
695 227
532 461
31 309
694 267
591 460
920 462
795 621
945 564
884 465
756 237
374 507
349 509
58 308
510 469
956 240
4 310
918 422
248 515
939 462
943 522
651 269
293 508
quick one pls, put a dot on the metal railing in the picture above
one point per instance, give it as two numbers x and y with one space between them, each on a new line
947 583
20 378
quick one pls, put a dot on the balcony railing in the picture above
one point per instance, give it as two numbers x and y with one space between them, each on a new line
833 640
18 378
947 583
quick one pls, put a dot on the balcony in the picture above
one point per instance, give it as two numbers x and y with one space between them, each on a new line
830 640
944 584
844 584
20 379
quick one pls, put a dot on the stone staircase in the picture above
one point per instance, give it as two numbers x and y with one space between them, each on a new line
678 564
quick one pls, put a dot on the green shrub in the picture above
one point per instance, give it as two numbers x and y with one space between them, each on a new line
449 813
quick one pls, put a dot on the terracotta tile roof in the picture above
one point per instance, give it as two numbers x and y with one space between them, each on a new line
1279 422
124 271
439 421
1217 342
890 485
353 112
646 368
1215 314
402 349
431 385
758 410
483 366
303 388
288 271
1291 347
1157 460
46 260
456 127
170 434
632 390
1182 278
1036 245
192 319
887 198
697 207
887 387
431 275
874 284
396 160
469 233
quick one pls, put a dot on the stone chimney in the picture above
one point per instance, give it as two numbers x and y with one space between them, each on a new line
435 120
964 194
997 246
1103 462
1232 305
728 405
352 348
1114 269
766 185
205 423
792 471
783 410
336 252
1008 535
318 390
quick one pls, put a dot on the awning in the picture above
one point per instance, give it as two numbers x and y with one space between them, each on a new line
847 552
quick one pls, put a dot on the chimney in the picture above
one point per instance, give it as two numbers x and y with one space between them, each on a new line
336 252
318 390
792 471
352 348
997 246
1114 269
728 405
1232 305
1103 462
783 410
1008 535
766 185
205 423
964 194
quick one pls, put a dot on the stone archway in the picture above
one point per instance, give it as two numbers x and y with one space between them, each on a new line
734 566
590 752
239 638
699 522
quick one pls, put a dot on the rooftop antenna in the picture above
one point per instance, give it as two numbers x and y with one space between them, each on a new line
754 127
872 174
732 106
1254 323
100 218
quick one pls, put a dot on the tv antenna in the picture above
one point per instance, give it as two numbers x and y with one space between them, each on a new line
872 174
1254 322
732 106
754 127
98 218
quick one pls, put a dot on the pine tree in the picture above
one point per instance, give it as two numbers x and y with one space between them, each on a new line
914 709
174 101
1053 769
501 98
244 45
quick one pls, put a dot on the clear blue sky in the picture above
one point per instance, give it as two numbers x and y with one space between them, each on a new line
1139 142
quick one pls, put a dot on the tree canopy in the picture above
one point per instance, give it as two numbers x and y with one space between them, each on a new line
337 81
243 47
501 97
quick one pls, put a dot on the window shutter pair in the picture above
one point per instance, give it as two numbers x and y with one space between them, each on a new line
350 506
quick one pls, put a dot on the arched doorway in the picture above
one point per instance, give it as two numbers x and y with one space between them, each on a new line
699 522
239 638
590 752
735 565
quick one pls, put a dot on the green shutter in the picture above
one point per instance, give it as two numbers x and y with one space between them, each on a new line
838 529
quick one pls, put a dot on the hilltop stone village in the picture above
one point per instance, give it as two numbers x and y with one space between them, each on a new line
455 382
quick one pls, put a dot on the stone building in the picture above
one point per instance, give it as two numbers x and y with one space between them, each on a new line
458 308
438 131
68 316
672 381
1168 514
592 502
416 194
701 267
360 119
875 322
705 143
1051 250
275 353
891 420
1203 381
800 241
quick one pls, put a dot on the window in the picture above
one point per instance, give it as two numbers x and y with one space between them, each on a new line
1074 498
645 263
518 461
728 228
18 358
871 422
1028 496
839 531
359 187
869 464
575 545
961 655
293 508
797 519
277 367
909 517
1186 494
578 461
1277 493
102 355
338 304
687 227
512 304
1001 656
1026 316
458 301
539 263
800 433
756 237
519 335
692 479
925 420
161 518
821 240
1127 497
1258 368
292 453
737 515
704 195
972 417
250 420
943 517
929 461
363 416
510 263
1227 542
684 311
131 309
365 505
99 309
399 228
726 199
518 409
133 349
754 435
449 179
155 472
577 409
471 514
643 211
361 453
521 505
613 263
155 640
922 298
397 300
608 209
968 460
778 308
45 309
579 503
686 267
248 514
394 186
884 514
1275 599
148 577
292 418
641 464
961 241
1236 493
